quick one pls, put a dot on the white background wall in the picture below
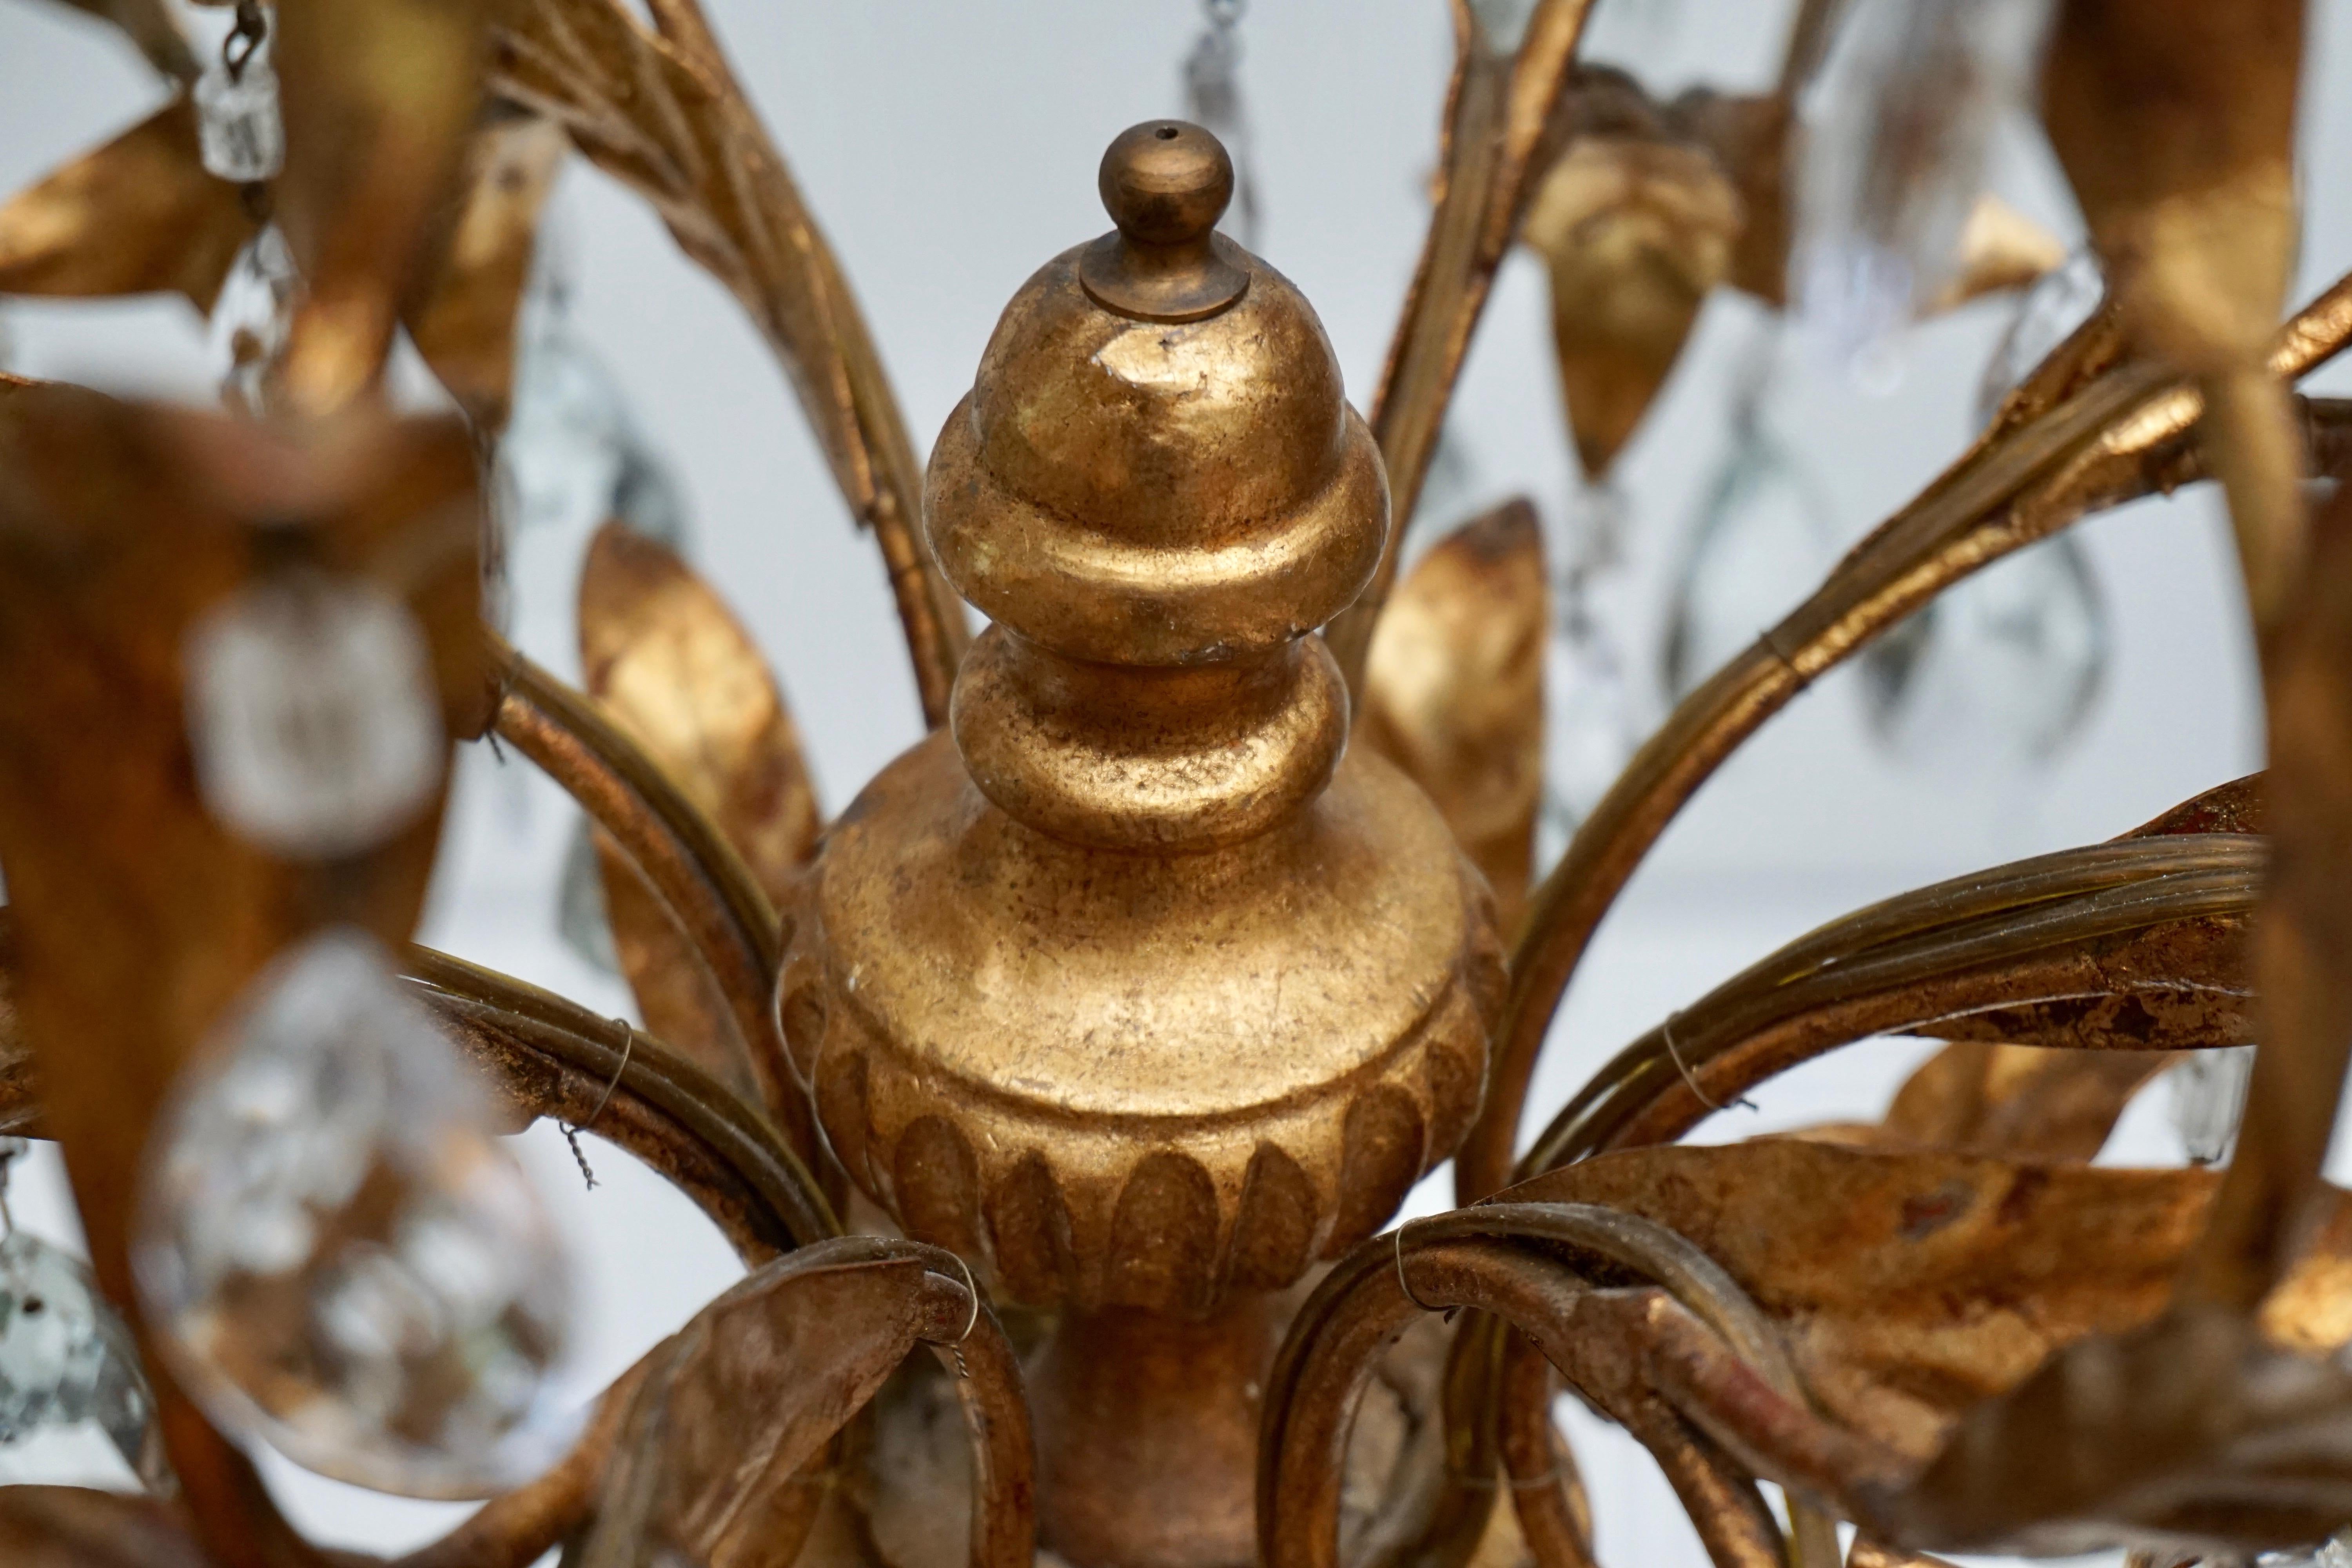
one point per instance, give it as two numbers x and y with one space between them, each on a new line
948 148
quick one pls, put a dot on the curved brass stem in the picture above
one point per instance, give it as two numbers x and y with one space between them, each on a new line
2042 930
1371 1294
2119 438
556 1058
700 881
1496 111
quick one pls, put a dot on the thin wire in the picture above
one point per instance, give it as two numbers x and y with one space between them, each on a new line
1405 1285
1667 1033
571 1131
972 1288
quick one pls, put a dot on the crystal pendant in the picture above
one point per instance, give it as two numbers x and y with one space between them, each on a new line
580 919
2060 300
1895 135
2006 666
1212 101
251 320
2208 1095
1590 724
239 131
337 1251
66 1359
312 713
1763 543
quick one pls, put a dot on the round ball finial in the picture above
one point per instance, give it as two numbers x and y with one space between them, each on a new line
1165 183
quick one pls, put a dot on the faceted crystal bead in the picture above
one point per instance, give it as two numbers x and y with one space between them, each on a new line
312 713
1896 135
1762 543
2208 1097
339 1252
239 131
251 320
65 1358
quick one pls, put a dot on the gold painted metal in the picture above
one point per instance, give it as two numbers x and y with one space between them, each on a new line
1137 989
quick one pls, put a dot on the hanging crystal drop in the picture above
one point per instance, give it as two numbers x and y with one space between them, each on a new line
337 1252
2060 300
571 459
66 1359
1590 720
312 714
1895 132
2005 666
1212 101
251 321
2208 1097
1763 542
239 132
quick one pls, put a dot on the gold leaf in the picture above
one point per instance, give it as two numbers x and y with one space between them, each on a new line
1453 689
466 327
138 216
1909 1285
715 1456
2000 248
1635 232
679 673
379 97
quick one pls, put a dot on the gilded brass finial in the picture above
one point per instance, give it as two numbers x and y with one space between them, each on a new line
1138 988
1165 183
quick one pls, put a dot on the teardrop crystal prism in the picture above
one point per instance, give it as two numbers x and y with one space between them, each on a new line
2209 1098
67 1358
1895 133
312 714
1590 717
339 1252
2002 667
1762 543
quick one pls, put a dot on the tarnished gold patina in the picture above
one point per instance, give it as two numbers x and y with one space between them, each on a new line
1136 987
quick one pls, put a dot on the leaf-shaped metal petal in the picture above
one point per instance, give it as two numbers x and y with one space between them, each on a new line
2000 248
663 652
1910 1286
379 97
138 216
680 674
466 327
1635 232
1992 1098
1453 688
713 1460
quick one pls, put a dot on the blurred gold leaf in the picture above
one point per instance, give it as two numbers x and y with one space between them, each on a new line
1986 1097
379 98
715 1457
1453 688
138 216
78 1527
466 327
1635 232
2000 248
680 674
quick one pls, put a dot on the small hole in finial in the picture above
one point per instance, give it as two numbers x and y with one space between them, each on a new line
1166 134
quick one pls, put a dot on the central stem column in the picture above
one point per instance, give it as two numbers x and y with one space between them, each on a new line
1147 1435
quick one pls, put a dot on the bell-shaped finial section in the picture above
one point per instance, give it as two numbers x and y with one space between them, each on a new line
1165 183
1156 490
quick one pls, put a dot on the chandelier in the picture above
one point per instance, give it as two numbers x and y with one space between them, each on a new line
1059 1095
